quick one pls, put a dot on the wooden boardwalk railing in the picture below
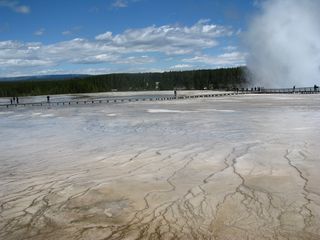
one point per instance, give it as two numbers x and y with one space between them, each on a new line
304 90
117 100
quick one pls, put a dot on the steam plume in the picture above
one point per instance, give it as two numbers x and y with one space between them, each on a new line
283 42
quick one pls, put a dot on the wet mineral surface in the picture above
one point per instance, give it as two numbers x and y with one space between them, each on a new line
240 167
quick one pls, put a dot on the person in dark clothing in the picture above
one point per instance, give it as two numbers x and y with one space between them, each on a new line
48 99
315 88
175 93
294 88
11 101
17 100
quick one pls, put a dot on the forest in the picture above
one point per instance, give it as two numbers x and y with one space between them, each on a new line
223 78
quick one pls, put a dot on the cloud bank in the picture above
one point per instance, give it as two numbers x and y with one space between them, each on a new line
131 49
283 44
167 39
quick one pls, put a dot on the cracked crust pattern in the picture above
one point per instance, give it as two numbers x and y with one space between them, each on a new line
198 173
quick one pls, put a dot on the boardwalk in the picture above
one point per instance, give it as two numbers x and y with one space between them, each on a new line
305 90
115 100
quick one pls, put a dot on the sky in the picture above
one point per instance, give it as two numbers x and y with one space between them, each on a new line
107 36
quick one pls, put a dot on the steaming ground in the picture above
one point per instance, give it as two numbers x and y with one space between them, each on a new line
283 43
243 167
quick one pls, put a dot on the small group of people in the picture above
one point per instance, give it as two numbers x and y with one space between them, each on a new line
255 89
14 100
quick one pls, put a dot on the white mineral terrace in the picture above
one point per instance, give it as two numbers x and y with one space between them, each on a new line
231 168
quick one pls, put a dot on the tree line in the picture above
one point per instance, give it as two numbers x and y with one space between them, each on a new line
224 78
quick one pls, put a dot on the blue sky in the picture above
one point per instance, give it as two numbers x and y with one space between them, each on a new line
103 36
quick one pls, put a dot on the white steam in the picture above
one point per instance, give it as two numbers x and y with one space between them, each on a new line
283 42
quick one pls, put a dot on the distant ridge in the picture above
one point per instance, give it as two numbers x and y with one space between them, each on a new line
43 77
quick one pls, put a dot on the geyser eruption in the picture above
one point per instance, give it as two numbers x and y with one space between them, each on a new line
283 42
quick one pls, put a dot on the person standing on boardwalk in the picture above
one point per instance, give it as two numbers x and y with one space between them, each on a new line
175 94
11 101
17 100
48 99
315 88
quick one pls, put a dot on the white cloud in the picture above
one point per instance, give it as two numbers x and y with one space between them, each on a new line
169 39
100 58
24 62
131 48
226 59
66 33
15 6
230 48
16 54
53 71
136 60
91 71
120 4
39 32
181 66
105 36
71 31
